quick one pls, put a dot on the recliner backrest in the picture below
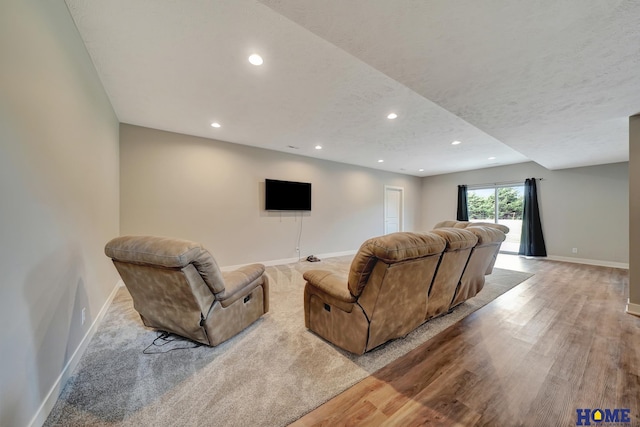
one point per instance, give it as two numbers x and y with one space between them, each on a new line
465 224
449 224
460 243
167 252
391 276
482 256
500 227
391 248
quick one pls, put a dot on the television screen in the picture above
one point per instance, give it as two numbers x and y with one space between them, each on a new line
287 195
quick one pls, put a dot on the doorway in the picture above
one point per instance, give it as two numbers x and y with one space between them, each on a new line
393 209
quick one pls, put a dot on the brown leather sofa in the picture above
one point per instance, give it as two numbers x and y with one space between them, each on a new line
177 287
397 282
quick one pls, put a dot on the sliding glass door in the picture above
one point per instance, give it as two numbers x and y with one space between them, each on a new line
502 205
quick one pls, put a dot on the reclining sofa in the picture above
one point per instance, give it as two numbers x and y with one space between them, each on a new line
397 282
177 287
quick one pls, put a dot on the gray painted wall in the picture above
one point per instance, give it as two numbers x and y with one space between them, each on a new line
213 192
585 208
59 199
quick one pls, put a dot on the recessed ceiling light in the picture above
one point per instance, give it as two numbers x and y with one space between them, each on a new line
215 125
392 116
380 161
318 147
491 158
256 59
456 143
420 170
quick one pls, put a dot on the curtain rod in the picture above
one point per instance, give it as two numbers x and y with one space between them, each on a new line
496 184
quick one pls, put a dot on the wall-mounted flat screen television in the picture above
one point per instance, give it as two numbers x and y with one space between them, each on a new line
287 195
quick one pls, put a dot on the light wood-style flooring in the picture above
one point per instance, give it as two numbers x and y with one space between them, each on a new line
558 342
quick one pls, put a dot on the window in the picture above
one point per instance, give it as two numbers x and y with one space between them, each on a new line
501 204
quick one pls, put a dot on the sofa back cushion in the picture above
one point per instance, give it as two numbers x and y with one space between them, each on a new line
460 243
450 224
456 238
391 248
500 227
465 224
487 235
395 298
482 256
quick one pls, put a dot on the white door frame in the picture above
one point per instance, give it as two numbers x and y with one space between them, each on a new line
401 216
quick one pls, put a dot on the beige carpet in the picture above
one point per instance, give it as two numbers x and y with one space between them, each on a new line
269 375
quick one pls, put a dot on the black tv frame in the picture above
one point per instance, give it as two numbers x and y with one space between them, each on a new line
287 195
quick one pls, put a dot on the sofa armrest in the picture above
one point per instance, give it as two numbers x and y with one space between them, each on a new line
239 283
330 287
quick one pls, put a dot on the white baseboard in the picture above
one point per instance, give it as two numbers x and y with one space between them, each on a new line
633 308
335 254
589 261
289 260
52 397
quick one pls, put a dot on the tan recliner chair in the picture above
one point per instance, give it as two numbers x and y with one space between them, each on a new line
384 297
177 287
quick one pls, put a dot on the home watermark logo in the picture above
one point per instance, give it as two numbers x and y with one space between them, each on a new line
603 417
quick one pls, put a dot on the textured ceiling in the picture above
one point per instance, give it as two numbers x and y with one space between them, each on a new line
548 81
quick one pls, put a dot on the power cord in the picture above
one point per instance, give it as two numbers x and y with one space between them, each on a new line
163 339
299 236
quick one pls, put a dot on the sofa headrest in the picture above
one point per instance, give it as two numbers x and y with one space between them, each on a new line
392 248
166 252
457 238
465 224
447 224
500 227
487 235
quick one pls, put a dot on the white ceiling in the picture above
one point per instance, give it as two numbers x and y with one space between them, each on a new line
549 81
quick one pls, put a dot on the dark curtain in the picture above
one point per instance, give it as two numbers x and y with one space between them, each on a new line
531 239
463 211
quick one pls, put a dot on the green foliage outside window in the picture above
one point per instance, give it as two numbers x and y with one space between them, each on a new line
510 204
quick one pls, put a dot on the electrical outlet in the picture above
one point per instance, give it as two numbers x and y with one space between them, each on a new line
574 250
84 315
